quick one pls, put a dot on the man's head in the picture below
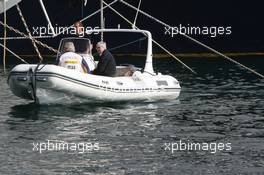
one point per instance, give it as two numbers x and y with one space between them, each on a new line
69 47
101 47
79 28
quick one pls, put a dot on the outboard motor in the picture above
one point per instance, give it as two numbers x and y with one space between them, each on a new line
31 74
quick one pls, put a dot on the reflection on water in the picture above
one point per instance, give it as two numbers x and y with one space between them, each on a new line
27 111
221 104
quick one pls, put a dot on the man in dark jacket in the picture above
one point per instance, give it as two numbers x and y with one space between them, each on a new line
106 65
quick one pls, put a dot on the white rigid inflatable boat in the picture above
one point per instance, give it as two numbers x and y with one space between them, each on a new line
52 84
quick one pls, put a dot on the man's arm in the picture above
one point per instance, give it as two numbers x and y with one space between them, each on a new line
102 65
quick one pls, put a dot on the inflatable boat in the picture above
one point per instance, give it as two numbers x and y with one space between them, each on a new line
52 84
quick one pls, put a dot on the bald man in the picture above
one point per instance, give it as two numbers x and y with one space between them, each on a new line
106 65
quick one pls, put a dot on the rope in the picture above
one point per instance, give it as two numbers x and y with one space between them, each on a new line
194 40
154 41
29 33
26 36
41 37
135 20
39 42
102 19
123 45
61 32
13 53
224 56
46 16
21 37
126 44
4 51
87 17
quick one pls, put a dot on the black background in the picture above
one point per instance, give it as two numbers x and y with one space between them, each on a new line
245 18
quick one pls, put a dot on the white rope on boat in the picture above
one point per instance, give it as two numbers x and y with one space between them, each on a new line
135 20
154 41
102 18
87 17
126 44
194 40
46 16
61 32
13 53
4 51
26 36
22 38
29 33
85 2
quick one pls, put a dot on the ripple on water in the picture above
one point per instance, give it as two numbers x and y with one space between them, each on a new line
213 107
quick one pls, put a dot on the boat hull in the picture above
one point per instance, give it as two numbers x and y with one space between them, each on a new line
52 84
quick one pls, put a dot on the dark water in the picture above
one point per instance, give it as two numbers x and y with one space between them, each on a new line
223 104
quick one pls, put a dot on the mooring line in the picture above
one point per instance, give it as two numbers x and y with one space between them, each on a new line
153 41
194 40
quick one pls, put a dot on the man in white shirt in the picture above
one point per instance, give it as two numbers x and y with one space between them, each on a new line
72 60
88 57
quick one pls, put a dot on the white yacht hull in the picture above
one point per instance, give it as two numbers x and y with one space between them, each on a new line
52 84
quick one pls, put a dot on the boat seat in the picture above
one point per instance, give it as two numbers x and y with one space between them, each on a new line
124 71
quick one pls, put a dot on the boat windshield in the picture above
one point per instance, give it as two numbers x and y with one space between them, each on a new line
82 45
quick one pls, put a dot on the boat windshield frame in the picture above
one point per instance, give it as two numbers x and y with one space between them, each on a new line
148 64
81 47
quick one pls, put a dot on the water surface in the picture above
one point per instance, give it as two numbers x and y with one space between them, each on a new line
222 104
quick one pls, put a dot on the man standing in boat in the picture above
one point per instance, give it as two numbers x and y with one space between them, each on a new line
106 65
